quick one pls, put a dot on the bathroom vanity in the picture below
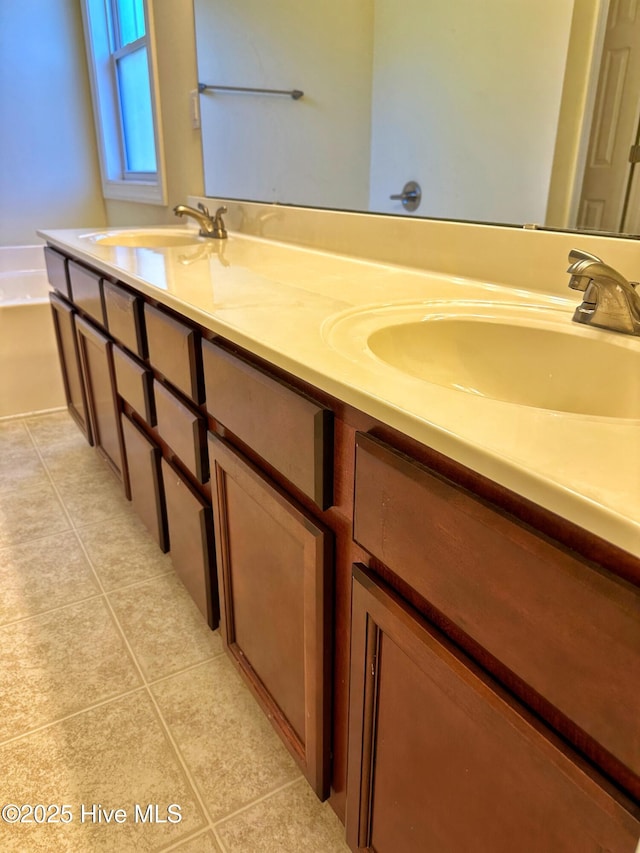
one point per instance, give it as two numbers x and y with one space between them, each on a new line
433 594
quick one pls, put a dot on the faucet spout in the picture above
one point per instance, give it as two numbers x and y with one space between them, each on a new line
610 301
210 226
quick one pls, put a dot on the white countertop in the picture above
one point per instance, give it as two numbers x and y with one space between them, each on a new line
279 301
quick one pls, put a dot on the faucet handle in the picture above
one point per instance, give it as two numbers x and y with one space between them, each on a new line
580 255
204 209
222 209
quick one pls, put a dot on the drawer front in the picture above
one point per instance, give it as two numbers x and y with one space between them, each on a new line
459 765
183 429
133 383
191 542
57 271
145 480
86 287
288 430
124 315
568 630
69 355
174 351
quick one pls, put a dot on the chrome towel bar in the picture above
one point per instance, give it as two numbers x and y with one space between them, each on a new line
296 94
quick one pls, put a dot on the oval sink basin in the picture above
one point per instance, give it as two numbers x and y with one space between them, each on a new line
527 356
147 239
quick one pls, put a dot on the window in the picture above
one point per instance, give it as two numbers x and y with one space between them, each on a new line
120 53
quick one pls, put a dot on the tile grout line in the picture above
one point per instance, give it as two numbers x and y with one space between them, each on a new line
145 685
258 800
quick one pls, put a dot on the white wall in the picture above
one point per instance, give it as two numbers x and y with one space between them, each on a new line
443 108
313 151
48 159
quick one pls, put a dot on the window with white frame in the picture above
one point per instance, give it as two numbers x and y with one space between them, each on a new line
121 62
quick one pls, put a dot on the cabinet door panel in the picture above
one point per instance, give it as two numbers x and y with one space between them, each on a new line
57 271
183 429
274 580
570 631
145 480
97 365
290 431
191 542
174 350
86 287
134 384
69 354
124 315
441 760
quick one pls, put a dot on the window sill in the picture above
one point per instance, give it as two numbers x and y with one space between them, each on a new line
141 192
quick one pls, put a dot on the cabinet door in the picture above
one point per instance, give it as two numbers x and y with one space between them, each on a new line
273 576
145 481
97 366
191 542
441 760
64 324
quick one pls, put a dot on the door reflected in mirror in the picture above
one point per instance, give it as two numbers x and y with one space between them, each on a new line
499 110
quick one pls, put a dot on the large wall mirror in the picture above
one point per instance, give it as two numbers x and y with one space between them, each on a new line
506 111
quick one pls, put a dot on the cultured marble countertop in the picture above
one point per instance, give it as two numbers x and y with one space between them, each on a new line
281 301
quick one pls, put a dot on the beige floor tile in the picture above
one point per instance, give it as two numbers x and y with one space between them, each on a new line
123 552
42 575
30 513
20 466
90 499
205 843
72 460
290 821
227 742
59 663
116 755
164 627
56 428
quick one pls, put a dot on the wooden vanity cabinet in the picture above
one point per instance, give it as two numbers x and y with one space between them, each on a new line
274 575
86 287
441 759
99 380
58 271
566 630
124 316
69 355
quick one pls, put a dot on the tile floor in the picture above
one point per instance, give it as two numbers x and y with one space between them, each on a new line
113 691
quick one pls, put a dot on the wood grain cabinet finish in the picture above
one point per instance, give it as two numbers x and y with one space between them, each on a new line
174 351
99 378
183 429
57 271
290 431
441 760
274 576
134 384
145 480
125 317
568 629
191 544
69 355
86 287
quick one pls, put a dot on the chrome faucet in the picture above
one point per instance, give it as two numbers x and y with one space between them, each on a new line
610 301
210 226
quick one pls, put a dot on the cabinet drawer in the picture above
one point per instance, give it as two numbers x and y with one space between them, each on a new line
174 351
191 542
145 480
183 429
287 429
570 631
459 765
57 271
124 315
86 287
133 383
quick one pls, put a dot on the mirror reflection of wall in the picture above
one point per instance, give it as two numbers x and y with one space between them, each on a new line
486 104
